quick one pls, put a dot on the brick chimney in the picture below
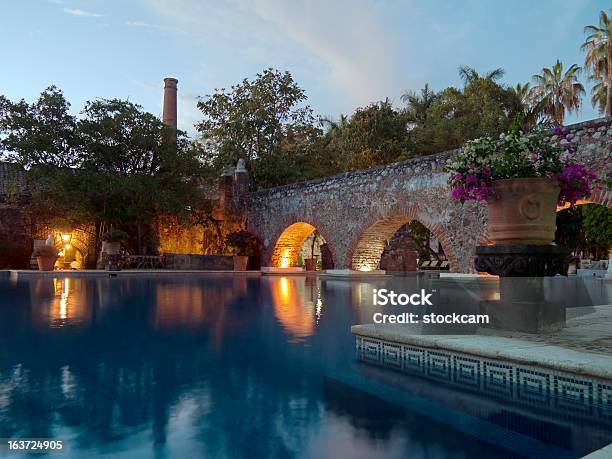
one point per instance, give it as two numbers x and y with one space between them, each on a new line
169 113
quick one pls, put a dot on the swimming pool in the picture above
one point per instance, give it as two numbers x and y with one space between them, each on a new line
224 365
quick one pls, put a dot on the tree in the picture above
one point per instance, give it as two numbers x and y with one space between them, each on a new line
115 166
255 120
557 91
531 111
470 75
482 107
598 61
40 133
597 223
373 135
417 104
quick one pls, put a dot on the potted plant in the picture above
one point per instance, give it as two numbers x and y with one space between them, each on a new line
244 245
46 256
523 179
111 241
311 263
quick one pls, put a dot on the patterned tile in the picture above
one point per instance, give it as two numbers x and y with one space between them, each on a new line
392 355
498 378
414 359
573 394
466 371
604 400
439 365
561 393
533 386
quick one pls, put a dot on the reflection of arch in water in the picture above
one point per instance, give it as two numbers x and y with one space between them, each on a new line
296 316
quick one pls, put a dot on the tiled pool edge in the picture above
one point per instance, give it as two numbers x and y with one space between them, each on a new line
511 350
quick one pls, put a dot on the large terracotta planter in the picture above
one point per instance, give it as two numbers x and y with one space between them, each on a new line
310 264
111 248
524 211
240 262
46 263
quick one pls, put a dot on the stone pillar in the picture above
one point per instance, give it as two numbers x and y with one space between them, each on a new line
241 180
226 187
169 117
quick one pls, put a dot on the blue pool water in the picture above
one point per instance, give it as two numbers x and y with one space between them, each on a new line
236 366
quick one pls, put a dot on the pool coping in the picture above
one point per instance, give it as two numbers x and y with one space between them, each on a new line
26 273
514 350
603 453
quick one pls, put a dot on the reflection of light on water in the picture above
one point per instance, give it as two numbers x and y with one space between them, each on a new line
284 287
319 308
295 316
63 307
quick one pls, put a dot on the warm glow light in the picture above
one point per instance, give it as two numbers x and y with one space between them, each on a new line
285 259
66 237
284 288
67 246
63 309
578 203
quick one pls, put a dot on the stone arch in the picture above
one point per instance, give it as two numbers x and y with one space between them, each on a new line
289 242
367 247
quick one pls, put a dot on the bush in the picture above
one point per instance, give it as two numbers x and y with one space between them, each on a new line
114 235
45 251
243 243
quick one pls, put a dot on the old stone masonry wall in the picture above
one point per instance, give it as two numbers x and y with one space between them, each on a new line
357 212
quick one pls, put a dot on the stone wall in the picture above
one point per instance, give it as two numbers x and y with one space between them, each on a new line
357 212
199 262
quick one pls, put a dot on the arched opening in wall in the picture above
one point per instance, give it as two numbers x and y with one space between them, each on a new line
586 231
399 244
300 244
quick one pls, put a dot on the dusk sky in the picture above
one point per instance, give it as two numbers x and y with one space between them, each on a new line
345 54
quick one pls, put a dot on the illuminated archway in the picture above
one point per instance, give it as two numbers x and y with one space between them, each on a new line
289 244
371 243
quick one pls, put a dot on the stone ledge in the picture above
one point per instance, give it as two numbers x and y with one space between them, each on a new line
514 350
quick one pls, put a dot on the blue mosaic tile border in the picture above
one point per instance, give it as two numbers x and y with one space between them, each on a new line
575 395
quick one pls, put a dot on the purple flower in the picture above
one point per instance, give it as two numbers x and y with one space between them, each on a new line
558 130
533 157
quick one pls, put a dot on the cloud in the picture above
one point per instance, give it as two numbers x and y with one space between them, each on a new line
81 13
342 46
143 25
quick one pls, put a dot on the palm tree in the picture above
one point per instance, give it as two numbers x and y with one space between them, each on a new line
598 60
469 74
558 91
417 103
531 108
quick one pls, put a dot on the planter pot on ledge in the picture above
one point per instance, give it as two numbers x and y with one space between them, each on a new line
46 263
524 211
310 264
240 262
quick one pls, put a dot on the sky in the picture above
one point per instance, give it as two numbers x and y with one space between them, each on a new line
344 54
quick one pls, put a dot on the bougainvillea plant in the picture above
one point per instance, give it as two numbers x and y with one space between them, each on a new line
516 155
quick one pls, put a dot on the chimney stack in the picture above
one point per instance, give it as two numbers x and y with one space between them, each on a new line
169 113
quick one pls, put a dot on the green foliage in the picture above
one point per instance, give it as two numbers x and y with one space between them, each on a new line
373 135
243 243
39 133
44 251
114 235
103 169
482 108
262 121
585 230
597 221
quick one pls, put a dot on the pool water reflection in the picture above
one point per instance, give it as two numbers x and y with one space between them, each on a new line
213 366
